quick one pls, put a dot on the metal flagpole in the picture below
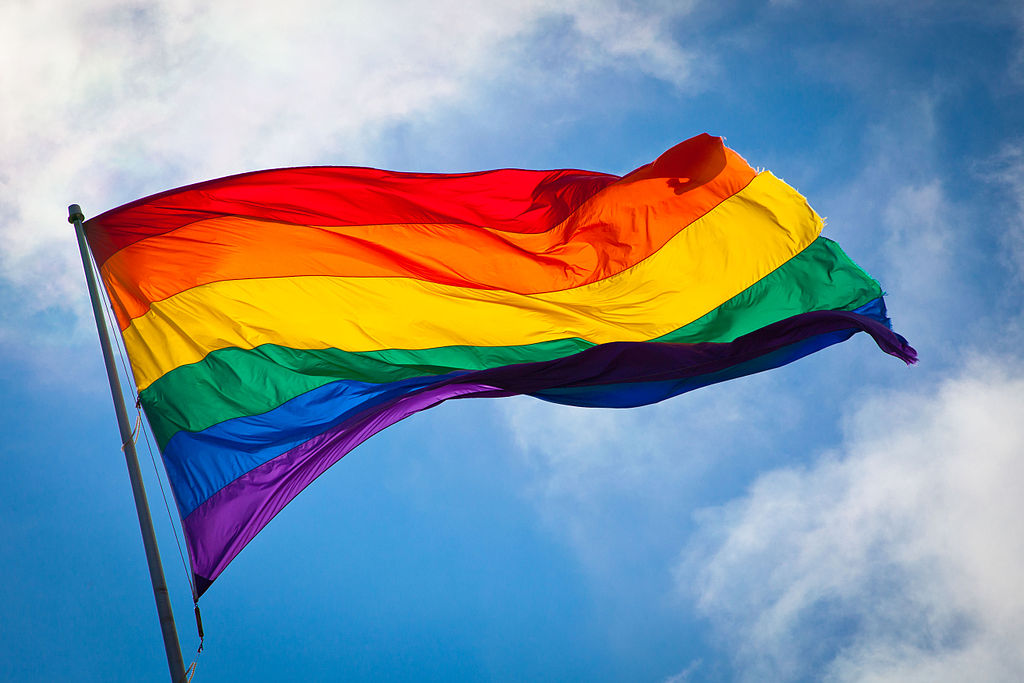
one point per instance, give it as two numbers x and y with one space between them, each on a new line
156 573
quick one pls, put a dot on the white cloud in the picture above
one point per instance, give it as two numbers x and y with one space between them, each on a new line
896 558
114 99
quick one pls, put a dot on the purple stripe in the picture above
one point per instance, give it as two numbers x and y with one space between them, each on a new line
221 526
655 361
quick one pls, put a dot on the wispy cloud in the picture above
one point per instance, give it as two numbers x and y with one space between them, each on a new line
686 674
905 217
1005 170
895 558
615 483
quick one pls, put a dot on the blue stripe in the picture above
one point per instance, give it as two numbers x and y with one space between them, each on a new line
201 463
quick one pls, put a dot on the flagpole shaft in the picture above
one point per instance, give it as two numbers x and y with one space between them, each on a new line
156 573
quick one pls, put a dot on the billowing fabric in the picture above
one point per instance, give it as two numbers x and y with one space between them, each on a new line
275 320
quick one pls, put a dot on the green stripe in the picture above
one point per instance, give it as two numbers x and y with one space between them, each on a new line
235 382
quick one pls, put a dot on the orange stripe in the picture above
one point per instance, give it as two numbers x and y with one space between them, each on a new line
619 227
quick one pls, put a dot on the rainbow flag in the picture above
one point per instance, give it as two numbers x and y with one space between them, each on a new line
275 320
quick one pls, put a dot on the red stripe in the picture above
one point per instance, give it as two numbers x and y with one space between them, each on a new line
506 199
514 200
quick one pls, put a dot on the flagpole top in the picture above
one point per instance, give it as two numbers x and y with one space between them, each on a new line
75 213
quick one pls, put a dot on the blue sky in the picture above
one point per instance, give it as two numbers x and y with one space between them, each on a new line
844 518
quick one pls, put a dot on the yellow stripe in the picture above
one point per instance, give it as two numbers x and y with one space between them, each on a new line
716 257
